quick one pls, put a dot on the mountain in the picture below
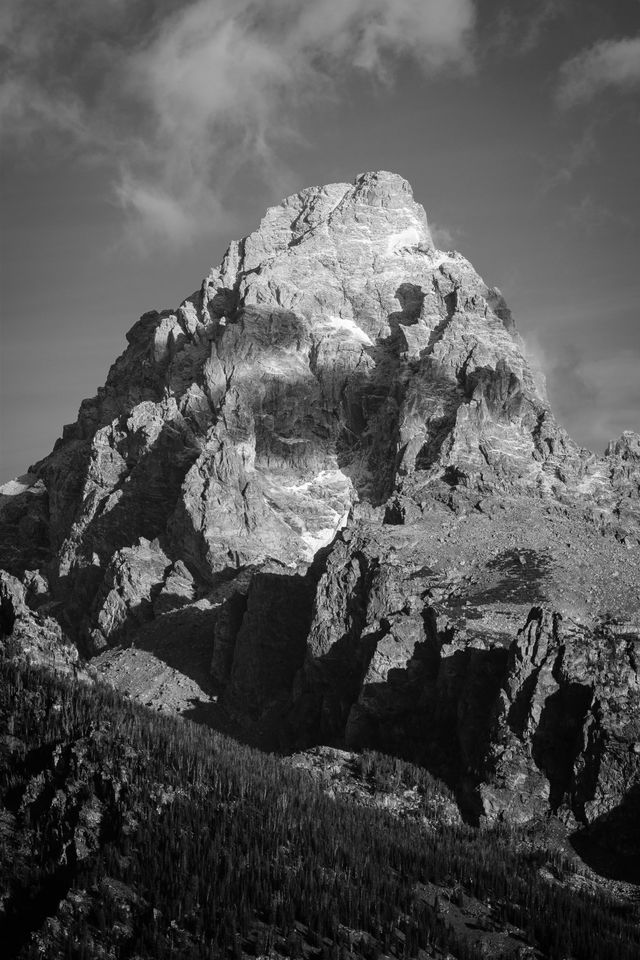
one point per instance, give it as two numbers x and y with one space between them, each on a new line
326 501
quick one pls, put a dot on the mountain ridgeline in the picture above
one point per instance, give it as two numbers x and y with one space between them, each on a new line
326 501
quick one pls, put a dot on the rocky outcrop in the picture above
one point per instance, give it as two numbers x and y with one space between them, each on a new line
568 717
330 489
24 524
28 630
468 666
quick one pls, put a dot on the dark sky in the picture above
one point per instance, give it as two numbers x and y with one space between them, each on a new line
139 138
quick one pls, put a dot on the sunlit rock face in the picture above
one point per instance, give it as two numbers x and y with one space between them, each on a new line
335 356
332 478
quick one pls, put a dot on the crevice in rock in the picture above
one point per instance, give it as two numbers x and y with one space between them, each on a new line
7 617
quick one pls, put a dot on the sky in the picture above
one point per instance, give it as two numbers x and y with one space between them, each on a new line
139 137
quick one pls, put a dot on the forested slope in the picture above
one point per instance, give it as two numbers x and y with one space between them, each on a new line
129 835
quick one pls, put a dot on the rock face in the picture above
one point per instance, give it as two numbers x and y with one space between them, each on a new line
483 647
334 471
27 630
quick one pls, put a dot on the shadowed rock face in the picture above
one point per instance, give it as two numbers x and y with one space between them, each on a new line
339 389
496 666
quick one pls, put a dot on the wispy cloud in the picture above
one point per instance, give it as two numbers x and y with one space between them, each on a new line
590 215
165 218
444 237
26 110
519 31
178 94
608 64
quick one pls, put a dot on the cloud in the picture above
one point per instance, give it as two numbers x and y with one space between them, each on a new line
590 215
167 219
178 95
26 110
445 238
367 32
608 64
520 31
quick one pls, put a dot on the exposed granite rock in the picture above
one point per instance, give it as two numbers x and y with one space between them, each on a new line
568 720
486 650
24 524
339 391
357 777
623 459
232 599
32 635
134 577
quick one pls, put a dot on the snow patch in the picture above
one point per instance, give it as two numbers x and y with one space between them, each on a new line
316 541
441 257
326 478
410 237
347 327
321 538
13 488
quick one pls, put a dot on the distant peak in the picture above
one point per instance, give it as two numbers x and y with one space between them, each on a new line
626 446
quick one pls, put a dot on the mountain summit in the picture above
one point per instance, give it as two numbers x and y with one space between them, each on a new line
329 490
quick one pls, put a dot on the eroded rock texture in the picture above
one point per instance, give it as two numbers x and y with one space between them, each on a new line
329 490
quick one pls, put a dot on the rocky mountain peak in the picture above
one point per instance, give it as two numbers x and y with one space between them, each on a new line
335 357
374 208
325 234
332 478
